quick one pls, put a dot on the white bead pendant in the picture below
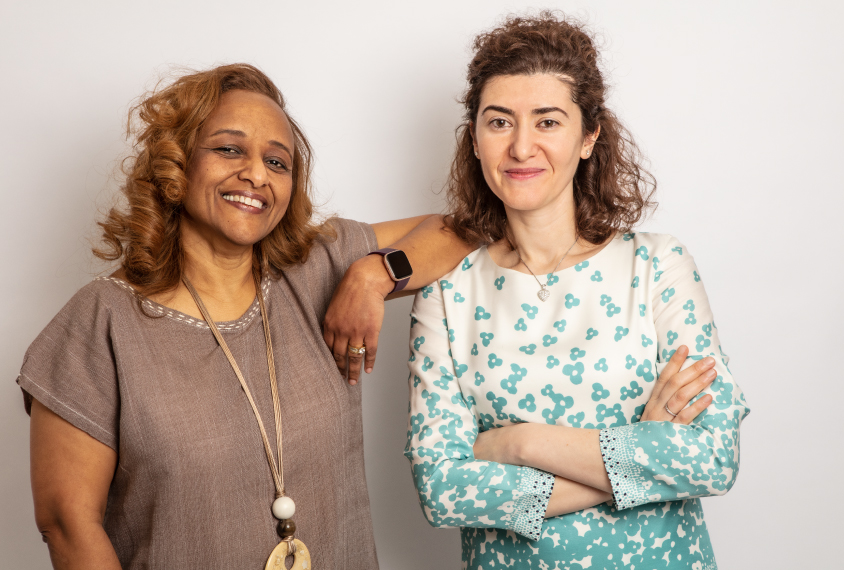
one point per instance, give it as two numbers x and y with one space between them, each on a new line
284 508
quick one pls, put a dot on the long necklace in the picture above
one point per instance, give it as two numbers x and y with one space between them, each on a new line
543 292
283 506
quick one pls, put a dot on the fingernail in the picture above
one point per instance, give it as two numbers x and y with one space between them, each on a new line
710 376
369 370
709 361
353 382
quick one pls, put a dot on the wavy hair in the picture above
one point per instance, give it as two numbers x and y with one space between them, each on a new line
145 236
612 189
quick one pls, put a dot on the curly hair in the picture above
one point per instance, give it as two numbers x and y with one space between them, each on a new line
612 190
145 237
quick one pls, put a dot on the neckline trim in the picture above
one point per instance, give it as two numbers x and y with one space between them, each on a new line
160 310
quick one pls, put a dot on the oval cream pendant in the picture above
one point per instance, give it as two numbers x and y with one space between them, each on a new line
301 558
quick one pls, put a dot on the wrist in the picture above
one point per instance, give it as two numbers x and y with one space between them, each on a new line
369 272
516 444
528 444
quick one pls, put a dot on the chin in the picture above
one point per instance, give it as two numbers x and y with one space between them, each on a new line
525 203
245 239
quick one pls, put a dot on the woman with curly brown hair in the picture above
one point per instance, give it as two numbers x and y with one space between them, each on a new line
158 394
538 424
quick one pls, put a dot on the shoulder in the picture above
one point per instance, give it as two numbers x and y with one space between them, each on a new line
473 268
650 244
344 232
462 282
102 295
658 251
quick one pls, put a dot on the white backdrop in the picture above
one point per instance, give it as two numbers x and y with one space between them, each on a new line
738 106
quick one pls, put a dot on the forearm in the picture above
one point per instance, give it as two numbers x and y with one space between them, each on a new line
80 546
432 249
571 453
570 497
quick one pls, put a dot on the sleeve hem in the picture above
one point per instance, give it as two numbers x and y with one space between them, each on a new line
535 489
618 453
71 416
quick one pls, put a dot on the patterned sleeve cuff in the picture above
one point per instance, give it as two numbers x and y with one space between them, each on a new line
534 493
619 454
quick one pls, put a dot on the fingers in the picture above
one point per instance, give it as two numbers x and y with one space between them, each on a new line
673 367
686 377
371 350
340 351
688 415
355 361
684 395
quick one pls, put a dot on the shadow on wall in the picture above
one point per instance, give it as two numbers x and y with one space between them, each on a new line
404 539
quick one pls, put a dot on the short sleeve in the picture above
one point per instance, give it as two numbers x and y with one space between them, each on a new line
354 240
70 367
329 258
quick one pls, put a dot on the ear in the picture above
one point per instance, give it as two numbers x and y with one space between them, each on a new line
474 140
589 143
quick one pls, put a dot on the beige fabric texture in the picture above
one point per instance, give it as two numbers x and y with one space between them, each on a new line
192 487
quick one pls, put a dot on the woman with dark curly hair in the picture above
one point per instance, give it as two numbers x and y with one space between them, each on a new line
156 414
538 424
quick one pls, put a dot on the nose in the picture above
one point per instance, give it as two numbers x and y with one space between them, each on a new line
523 145
254 171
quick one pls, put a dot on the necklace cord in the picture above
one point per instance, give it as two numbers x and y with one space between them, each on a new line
277 472
555 268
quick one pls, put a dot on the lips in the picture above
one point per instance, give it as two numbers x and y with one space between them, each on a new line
523 173
248 201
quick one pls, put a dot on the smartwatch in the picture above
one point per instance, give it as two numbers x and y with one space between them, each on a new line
397 266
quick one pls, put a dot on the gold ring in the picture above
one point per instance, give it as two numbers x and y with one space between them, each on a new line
357 350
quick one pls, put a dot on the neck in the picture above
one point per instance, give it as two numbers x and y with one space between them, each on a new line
543 236
223 274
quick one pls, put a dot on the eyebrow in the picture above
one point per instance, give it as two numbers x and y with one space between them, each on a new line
540 111
237 133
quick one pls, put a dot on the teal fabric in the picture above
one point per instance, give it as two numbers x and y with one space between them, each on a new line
486 352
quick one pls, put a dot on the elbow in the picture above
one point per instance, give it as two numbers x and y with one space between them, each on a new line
723 480
49 523
730 481
61 526
54 530
429 489
435 512
432 509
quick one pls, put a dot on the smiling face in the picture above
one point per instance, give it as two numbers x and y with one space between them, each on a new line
240 175
529 139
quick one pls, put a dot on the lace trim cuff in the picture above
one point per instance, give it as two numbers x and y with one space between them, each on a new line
619 454
534 493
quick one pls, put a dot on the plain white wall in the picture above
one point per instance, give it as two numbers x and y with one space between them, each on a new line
738 106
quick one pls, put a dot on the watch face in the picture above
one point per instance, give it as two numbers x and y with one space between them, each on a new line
399 265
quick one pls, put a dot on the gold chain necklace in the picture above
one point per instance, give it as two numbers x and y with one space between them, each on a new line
283 506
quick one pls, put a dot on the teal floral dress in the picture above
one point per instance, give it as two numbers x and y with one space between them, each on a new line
486 352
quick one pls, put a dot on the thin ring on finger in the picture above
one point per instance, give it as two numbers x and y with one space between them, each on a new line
669 411
357 350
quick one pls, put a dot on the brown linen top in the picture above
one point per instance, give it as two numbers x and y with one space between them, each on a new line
192 488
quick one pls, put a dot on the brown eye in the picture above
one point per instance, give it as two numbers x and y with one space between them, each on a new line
277 164
227 150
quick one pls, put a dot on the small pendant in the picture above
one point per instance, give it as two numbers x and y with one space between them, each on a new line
301 557
543 294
